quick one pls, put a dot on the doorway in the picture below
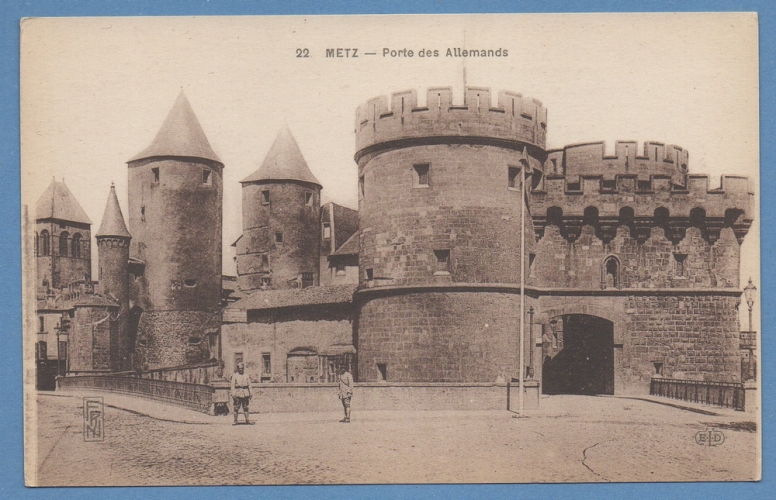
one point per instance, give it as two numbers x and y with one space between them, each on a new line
580 360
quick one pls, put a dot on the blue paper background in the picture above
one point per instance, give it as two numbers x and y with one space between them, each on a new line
11 411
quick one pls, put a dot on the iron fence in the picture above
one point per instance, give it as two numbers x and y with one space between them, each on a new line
193 396
724 394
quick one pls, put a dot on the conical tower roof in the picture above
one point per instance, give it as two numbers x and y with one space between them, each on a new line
57 202
284 162
113 220
180 135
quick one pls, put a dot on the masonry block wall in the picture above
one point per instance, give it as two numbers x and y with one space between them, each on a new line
94 339
175 217
277 332
175 338
281 235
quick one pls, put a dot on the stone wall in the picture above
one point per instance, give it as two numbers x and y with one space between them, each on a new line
279 331
175 338
94 334
443 336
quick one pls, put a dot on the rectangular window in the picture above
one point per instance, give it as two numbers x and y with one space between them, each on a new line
370 274
307 280
680 264
340 267
62 349
265 261
42 351
531 259
206 176
238 358
514 172
658 368
266 282
308 199
382 369
266 360
326 230
421 174
279 237
156 174
42 320
265 197
442 261
361 187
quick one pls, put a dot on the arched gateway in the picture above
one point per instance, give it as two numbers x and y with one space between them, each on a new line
578 355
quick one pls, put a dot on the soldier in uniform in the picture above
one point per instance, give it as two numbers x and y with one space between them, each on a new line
241 392
345 391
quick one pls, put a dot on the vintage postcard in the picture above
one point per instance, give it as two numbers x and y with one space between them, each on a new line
391 249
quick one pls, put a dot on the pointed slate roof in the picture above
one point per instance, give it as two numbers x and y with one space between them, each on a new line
180 135
113 220
284 162
57 202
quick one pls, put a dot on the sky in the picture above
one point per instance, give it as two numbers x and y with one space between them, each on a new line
94 91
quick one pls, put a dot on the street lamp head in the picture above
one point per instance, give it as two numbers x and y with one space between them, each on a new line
749 293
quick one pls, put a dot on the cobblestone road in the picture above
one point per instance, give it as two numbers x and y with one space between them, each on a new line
575 439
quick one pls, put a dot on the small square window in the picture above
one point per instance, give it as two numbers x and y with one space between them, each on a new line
266 282
156 174
514 174
206 177
308 199
442 261
326 230
265 197
278 237
421 174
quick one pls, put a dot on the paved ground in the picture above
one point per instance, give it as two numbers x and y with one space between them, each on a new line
572 439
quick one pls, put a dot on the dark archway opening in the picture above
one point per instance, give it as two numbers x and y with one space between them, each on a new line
582 359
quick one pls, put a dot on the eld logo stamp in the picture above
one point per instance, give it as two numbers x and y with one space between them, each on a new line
709 437
94 419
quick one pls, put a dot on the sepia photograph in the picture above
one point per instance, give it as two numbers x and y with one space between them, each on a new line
391 249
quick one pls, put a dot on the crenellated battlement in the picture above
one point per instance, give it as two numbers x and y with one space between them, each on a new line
515 118
656 158
626 198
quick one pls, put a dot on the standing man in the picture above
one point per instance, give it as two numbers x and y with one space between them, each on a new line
345 391
241 392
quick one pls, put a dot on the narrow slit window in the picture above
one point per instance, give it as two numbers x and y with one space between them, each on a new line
308 199
680 261
206 177
266 359
421 175
156 174
265 197
442 261
361 187
382 369
370 274
326 230
531 260
514 174
265 261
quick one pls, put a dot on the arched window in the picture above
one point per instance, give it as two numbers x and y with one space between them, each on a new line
63 237
45 243
75 246
610 275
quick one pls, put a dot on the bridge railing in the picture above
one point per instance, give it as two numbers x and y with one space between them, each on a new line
193 396
724 394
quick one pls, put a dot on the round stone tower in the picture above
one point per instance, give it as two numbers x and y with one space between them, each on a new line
280 244
113 249
175 217
440 215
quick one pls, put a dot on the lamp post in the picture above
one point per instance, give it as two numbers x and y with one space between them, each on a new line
749 292
58 328
524 171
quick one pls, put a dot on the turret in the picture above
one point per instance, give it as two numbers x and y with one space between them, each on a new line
175 217
280 244
113 241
